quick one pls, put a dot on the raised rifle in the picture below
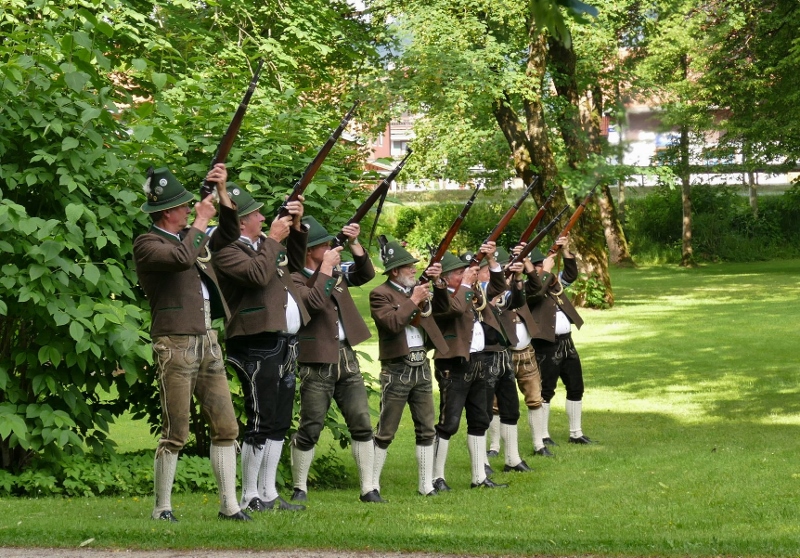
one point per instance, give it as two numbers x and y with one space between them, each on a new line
378 194
498 228
528 248
226 142
571 223
313 166
440 251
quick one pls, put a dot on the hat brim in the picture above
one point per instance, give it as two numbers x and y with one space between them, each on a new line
251 208
400 263
319 241
185 197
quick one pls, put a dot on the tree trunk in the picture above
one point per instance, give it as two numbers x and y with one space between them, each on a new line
687 258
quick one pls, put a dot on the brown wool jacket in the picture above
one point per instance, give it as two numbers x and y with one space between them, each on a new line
326 301
170 275
256 285
495 288
392 310
456 324
543 302
512 310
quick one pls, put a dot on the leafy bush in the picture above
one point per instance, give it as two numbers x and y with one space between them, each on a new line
723 224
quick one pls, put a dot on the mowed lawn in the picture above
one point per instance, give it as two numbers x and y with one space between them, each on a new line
693 394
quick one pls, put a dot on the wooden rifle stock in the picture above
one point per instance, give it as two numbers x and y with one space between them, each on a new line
528 248
226 142
378 193
498 229
571 223
449 235
313 166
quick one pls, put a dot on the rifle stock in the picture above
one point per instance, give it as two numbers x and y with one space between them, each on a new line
379 192
225 144
312 168
571 223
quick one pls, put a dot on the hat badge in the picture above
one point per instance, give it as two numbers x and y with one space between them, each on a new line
235 191
159 190
391 251
162 182
468 257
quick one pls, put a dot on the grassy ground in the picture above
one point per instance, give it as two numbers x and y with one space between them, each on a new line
692 392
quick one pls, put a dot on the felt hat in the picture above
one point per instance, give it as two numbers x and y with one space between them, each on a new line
245 204
316 232
163 191
394 255
467 258
536 256
502 256
450 262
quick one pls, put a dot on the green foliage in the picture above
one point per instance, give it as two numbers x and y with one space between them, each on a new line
724 226
72 326
588 292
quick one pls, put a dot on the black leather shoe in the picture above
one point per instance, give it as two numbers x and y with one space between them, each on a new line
492 453
255 505
441 486
488 469
544 452
549 442
238 516
432 493
281 504
299 495
373 496
520 467
580 440
166 515
488 483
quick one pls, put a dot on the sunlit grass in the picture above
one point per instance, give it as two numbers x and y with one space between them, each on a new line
692 391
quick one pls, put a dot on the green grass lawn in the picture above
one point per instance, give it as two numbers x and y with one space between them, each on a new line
692 391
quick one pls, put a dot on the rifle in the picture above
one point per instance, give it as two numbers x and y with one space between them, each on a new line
498 229
526 234
340 239
449 235
379 193
226 142
313 166
571 223
534 243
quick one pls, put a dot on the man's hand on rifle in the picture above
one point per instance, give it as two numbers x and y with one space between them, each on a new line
219 175
351 232
433 273
330 260
563 241
489 248
470 276
204 211
295 209
517 268
420 294
279 228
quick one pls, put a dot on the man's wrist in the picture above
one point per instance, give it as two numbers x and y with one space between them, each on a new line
354 242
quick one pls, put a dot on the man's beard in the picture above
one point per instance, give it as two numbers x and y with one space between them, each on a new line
405 281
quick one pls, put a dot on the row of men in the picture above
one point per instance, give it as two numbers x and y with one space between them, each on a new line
284 296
